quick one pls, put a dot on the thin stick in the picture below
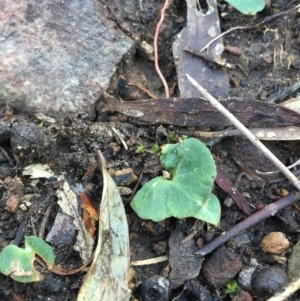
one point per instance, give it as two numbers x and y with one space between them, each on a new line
253 219
142 89
119 135
162 15
44 222
149 261
6 155
246 132
267 19
277 171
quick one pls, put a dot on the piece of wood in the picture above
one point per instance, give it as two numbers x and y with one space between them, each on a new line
198 112
202 26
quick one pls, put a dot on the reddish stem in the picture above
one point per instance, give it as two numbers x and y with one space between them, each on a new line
260 215
162 15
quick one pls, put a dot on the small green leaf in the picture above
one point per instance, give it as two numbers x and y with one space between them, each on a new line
38 246
18 263
10 257
188 192
155 148
248 7
140 149
232 288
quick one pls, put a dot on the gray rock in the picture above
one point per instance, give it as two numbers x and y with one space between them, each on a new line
245 278
269 280
182 260
56 56
156 288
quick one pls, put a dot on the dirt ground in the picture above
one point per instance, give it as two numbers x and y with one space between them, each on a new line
268 64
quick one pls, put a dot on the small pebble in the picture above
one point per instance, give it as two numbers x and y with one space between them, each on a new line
12 204
160 248
156 288
242 296
269 280
241 239
179 20
122 87
124 190
221 266
193 291
245 278
125 176
267 57
275 243
146 50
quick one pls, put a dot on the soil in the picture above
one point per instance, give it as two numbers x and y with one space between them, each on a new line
68 146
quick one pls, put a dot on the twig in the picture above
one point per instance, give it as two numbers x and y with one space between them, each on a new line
136 185
277 171
280 180
286 92
267 19
162 15
142 89
32 226
211 59
119 135
270 134
119 22
246 132
291 288
44 222
149 261
6 155
259 216
21 230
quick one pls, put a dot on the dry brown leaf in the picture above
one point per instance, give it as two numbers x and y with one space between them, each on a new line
89 214
108 274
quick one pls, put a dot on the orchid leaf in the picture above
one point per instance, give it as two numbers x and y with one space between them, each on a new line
18 263
248 7
188 192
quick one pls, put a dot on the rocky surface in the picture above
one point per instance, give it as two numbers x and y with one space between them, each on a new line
56 56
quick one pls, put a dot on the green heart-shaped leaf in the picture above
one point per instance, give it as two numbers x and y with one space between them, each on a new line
248 7
188 192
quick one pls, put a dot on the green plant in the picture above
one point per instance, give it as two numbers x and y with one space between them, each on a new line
18 263
248 7
173 137
232 288
155 148
188 191
184 137
140 149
